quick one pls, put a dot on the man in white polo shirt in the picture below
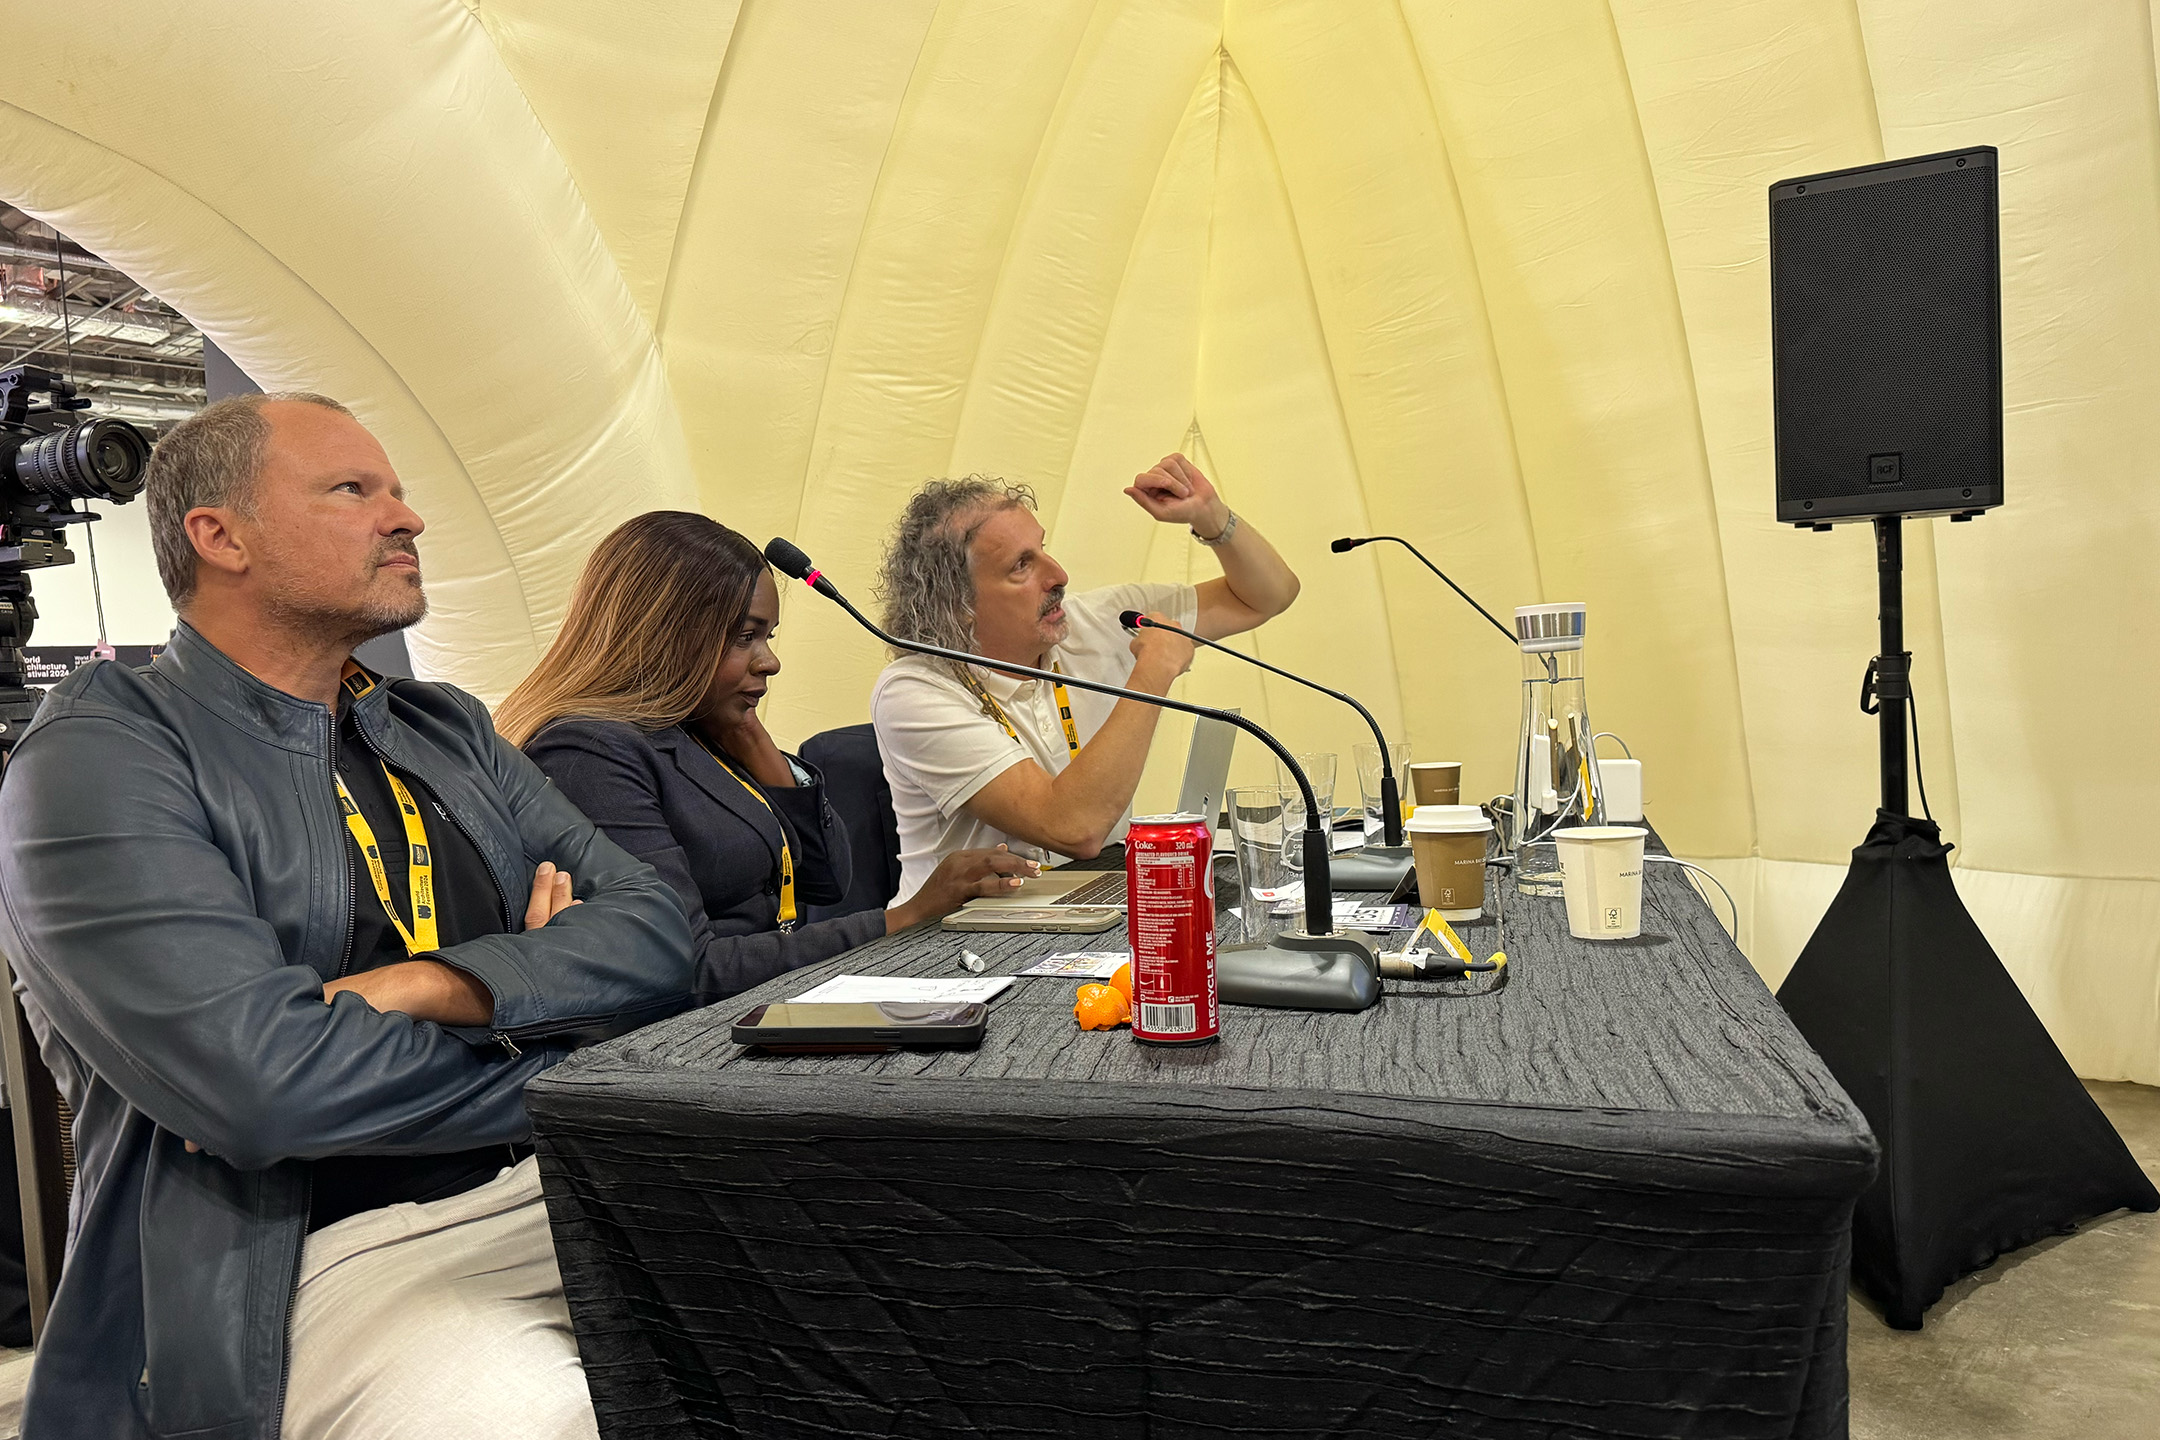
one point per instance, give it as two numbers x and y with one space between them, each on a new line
978 758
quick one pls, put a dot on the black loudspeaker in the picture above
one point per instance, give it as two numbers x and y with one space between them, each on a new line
1886 340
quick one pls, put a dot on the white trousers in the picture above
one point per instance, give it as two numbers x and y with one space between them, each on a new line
444 1320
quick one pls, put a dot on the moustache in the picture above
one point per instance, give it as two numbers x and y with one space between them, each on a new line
400 547
1051 602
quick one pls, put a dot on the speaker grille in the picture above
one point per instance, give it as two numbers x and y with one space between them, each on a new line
1887 354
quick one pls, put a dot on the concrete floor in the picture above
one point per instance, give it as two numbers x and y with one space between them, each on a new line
14 1375
2061 1339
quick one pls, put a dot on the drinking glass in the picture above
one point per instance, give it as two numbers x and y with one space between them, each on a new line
1367 756
1268 857
1319 768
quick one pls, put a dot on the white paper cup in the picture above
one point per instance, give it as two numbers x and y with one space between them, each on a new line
1601 876
1623 790
1447 845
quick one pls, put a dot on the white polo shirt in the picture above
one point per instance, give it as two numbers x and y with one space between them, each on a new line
940 748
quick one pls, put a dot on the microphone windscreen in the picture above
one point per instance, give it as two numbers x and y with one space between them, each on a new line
1346 543
788 560
1130 619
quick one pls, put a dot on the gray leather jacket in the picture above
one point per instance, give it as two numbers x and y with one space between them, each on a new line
176 891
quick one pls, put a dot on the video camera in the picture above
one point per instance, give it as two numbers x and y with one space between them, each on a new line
50 459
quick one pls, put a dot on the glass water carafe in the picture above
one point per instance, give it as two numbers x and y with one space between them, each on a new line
1556 774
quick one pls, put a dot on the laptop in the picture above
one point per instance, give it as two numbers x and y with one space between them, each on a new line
1207 771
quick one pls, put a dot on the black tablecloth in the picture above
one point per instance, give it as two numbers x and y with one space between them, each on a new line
1611 1197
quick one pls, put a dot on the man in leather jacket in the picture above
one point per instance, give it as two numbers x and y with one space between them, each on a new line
292 939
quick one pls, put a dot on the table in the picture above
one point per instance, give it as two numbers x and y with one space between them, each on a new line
1611 1197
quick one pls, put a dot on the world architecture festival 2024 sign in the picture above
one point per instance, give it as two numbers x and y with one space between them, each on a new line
50 664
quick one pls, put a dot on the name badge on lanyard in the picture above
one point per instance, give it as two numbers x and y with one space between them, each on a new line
1065 716
421 938
787 857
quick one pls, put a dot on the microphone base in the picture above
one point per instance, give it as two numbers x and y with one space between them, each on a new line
1297 971
1376 867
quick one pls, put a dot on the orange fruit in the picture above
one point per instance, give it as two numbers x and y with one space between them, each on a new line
1123 981
1101 1007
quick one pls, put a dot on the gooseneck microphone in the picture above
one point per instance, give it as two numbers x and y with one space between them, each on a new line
1347 544
1390 792
1318 970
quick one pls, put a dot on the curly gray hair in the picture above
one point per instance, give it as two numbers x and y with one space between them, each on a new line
926 585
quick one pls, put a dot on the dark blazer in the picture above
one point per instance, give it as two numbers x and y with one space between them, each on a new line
661 797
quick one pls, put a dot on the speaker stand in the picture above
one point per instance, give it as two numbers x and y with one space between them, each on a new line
1890 673
1989 1142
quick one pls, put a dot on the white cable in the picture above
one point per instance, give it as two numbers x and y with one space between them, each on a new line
97 591
1609 735
1734 931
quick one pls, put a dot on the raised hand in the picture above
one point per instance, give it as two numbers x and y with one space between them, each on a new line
1176 493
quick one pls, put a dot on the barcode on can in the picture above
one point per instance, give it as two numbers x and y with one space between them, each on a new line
1169 1019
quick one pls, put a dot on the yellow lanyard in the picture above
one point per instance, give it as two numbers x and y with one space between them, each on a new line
787 857
419 860
420 940
1064 705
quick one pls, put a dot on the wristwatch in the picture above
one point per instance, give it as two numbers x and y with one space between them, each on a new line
1222 536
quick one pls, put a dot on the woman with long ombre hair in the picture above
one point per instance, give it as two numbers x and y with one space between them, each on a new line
644 713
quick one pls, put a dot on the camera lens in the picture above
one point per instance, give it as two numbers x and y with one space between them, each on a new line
96 460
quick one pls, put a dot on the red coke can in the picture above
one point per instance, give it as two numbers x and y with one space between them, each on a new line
1170 919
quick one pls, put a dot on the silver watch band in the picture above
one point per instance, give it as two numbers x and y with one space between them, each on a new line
1222 536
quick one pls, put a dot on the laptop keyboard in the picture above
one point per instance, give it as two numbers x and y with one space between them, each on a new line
1108 890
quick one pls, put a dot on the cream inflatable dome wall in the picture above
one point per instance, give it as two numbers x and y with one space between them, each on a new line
1491 276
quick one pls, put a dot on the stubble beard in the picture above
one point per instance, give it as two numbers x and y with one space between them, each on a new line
300 613
1054 635
393 614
